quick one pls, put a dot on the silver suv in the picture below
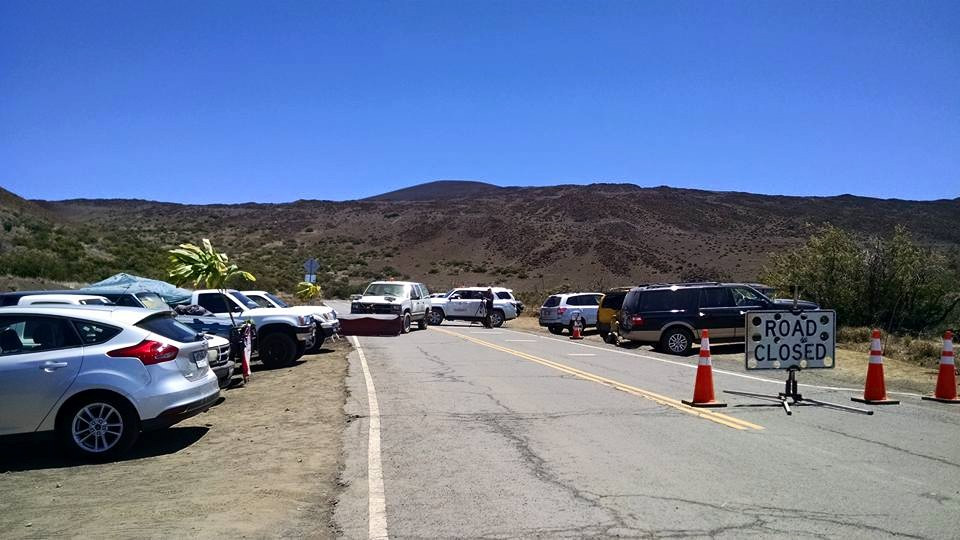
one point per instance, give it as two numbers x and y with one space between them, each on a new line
98 375
557 311
406 299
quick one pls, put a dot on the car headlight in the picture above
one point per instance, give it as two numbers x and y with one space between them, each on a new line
396 308
213 355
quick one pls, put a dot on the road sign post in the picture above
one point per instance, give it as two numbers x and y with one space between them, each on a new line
794 341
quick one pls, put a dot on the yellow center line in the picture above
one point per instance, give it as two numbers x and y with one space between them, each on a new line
719 418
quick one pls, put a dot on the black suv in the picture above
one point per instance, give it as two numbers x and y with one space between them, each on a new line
671 315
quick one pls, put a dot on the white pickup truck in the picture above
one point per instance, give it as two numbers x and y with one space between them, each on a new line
282 336
325 317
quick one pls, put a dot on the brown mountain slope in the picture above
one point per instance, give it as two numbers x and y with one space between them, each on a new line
529 238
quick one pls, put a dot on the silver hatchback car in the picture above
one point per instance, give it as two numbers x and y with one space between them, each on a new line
95 376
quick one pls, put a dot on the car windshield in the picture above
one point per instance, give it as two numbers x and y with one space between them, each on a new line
247 303
261 301
386 289
276 300
152 301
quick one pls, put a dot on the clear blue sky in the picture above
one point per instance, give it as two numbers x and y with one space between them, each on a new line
274 101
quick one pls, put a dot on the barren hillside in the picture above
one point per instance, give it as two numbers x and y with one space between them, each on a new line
449 233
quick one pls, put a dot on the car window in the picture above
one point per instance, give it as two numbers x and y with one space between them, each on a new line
125 300
744 296
151 301
504 295
261 301
415 293
21 334
94 333
668 300
553 301
716 297
212 302
470 295
592 299
423 289
168 327
246 302
613 300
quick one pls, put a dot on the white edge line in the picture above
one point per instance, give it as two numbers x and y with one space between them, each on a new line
693 366
377 510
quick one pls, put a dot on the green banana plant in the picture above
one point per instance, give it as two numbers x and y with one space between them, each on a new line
308 291
205 268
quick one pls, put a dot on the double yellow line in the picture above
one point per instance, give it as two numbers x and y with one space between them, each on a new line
706 414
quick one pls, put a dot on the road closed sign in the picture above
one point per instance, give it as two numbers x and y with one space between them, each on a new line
782 339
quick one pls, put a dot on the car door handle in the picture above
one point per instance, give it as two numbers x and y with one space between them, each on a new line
51 366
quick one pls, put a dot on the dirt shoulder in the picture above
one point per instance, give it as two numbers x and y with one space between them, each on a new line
263 463
850 371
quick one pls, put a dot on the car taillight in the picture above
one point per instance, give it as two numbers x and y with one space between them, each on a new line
148 352
636 320
561 310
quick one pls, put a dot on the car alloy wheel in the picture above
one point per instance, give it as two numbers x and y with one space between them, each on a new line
496 319
436 317
97 427
677 343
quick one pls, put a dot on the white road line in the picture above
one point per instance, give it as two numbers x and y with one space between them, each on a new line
715 370
378 500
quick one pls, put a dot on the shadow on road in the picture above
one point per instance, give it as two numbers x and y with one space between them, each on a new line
42 452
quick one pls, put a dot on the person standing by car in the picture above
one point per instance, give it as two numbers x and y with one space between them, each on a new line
488 308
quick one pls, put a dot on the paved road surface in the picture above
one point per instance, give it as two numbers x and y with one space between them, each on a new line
497 433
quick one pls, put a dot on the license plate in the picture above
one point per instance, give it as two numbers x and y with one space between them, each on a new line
200 359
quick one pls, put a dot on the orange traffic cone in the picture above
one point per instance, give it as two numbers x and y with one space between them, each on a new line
575 332
703 387
947 380
875 391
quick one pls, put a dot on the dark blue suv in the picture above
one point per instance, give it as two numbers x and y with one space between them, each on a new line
670 316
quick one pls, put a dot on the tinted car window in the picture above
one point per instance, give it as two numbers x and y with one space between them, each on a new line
168 327
94 333
504 295
613 300
668 300
553 301
212 302
261 301
470 295
744 296
125 300
29 333
277 300
716 297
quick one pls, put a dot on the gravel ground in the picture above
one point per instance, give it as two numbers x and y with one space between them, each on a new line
262 463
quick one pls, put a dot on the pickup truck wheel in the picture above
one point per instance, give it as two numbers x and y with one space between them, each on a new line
317 345
301 349
277 350
496 318
406 323
435 317
422 323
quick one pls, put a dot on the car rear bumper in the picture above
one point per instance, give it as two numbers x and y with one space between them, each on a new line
179 413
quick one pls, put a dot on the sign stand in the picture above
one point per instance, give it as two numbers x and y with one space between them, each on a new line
796 399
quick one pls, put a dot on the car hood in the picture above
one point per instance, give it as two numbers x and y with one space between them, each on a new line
321 312
268 312
788 303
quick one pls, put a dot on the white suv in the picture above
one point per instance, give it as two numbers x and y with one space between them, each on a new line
408 300
98 375
466 304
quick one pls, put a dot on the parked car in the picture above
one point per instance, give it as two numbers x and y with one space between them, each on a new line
407 299
465 304
222 335
325 318
557 311
610 304
671 316
96 376
283 336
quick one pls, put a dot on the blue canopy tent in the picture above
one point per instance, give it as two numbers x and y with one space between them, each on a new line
134 284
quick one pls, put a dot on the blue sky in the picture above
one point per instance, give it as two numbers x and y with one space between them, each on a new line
276 101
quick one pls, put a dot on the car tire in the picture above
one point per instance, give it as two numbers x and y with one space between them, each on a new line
435 317
277 350
405 328
301 349
422 323
555 330
118 426
318 344
677 341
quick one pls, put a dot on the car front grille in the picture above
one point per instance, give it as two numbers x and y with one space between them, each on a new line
223 356
380 309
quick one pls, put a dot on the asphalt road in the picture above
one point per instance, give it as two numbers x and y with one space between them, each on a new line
498 433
